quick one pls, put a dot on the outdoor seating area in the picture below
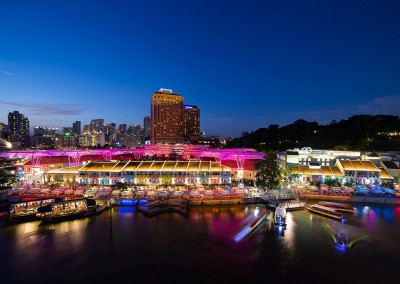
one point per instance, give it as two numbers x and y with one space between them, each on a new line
357 190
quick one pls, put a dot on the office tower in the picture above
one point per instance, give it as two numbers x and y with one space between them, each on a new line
166 117
191 122
67 130
146 127
76 127
18 123
122 128
3 129
97 125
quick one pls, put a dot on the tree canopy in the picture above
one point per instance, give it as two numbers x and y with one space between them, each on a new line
359 132
6 178
268 174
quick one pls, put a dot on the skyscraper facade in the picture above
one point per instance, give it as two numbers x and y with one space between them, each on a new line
76 127
146 127
96 125
166 117
18 123
191 122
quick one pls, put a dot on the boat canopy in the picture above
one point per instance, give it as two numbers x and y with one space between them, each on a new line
45 209
90 202
5 208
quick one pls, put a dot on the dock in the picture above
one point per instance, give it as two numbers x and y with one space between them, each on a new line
158 207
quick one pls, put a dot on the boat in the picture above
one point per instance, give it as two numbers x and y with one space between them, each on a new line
342 240
338 206
325 211
21 212
343 236
280 215
252 225
66 210
289 205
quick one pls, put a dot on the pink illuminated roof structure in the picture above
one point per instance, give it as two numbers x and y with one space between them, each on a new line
188 152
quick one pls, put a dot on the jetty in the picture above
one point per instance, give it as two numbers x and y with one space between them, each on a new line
157 207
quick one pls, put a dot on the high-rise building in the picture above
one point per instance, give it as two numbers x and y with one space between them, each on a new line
122 127
76 127
191 122
166 117
67 130
146 127
18 123
97 125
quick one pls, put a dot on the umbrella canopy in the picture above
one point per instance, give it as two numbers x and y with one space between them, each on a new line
116 192
18 190
151 193
89 192
69 191
163 193
225 192
79 192
194 193
209 192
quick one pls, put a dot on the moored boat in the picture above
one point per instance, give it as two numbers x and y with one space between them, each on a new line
325 211
280 215
26 211
338 206
66 210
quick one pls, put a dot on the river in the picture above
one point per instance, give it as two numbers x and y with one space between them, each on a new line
123 245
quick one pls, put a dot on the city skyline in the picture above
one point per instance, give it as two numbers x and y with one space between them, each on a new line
245 65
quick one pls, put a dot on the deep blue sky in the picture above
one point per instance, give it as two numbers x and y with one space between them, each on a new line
246 64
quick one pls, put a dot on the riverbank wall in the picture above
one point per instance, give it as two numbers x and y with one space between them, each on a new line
359 199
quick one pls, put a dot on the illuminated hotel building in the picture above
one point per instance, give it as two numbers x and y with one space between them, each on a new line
191 122
166 117
18 123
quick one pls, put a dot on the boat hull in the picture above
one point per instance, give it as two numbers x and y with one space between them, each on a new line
326 214
22 218
64 217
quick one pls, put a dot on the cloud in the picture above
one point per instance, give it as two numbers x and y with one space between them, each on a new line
45 109
382 105
4 72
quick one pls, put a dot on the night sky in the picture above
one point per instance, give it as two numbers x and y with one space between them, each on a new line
245 64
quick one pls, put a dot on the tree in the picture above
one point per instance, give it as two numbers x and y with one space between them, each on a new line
288 177
121 185
268 174
6 178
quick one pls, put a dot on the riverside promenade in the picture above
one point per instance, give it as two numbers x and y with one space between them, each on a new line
358 198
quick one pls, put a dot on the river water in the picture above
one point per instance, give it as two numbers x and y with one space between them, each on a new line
122 245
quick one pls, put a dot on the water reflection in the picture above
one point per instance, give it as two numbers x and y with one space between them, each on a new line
199 245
